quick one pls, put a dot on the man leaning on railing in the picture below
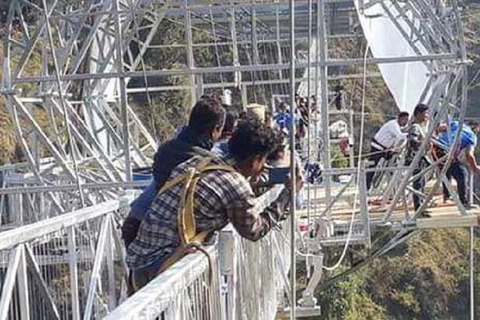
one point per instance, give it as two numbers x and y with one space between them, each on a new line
203 195
196 139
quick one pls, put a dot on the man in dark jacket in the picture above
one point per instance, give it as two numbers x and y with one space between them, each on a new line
196 139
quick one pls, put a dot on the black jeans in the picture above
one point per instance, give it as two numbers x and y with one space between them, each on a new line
459 172
418 185
420 182
375 156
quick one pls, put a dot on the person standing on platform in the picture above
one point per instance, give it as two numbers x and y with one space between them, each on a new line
383 144
283 118
416 135
464 158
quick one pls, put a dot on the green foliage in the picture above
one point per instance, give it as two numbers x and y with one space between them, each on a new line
348 299
427 278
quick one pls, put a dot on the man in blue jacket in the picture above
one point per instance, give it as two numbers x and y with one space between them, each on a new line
464 157
196 139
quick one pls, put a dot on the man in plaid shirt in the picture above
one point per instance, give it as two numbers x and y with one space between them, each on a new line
220 197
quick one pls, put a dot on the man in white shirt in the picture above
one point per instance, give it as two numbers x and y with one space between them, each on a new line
384 142
416 135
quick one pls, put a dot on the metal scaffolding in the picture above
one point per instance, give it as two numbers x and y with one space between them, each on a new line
74 72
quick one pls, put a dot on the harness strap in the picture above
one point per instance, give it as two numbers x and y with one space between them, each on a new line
187 230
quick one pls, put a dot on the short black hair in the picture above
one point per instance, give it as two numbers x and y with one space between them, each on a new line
207 114
403 114
420 108
231 118
279 146
252 138
473 124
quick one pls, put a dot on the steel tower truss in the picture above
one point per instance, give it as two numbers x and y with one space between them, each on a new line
69 71
68 65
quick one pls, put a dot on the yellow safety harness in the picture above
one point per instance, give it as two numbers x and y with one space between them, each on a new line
190 239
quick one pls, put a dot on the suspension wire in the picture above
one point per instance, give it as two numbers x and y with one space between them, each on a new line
359 166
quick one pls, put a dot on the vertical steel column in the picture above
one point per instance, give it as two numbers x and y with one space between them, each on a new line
72 252
9 281
309 83
364 205
350 138
279 43
244 96
293 246
190 58
123 91
110 253
325 119
236 60
254 39
472 274
319 141
22 279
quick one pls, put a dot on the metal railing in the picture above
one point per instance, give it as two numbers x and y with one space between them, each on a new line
25 199
184 291
247 281
66 267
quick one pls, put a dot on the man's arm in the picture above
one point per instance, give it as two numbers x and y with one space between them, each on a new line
471 161
249 220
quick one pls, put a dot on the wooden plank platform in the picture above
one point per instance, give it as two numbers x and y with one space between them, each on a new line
441 214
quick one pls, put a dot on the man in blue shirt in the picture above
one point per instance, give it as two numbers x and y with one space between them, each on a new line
463 157
283 119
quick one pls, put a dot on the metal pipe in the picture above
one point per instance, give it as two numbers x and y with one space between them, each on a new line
190 58
234 84
63 103
246 42
325 119
123 92
249 68
71 187
317 85
293 246
472 274
309 82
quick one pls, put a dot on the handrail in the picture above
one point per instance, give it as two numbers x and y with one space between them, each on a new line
248 276
88 241
32 231
162 290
